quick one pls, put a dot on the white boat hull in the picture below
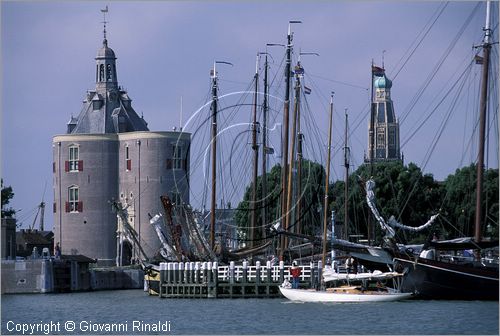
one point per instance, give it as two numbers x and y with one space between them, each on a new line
306 295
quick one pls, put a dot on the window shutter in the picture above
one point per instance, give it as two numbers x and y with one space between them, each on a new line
67 206
80 206
184 164
80 165
169 163
129 164
66 166
54 207
53 167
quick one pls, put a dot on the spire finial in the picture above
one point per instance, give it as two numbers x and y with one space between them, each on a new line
383 52
104 11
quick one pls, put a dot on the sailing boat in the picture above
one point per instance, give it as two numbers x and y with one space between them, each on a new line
370 288
437 276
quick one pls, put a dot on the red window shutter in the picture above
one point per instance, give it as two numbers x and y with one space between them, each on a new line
67 206
129 164
80 165
169 163
66 166
80 206
53 167
54 207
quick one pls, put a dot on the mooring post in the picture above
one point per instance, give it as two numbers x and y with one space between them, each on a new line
181 272
231 272
204 271
209 272
187 273
215 273
197 272
245 272
257 272
169 272
282 271
191 275
175 272
268 271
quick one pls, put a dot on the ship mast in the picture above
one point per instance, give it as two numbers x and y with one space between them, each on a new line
371 149
346 184
213 74
255 148
327 178
482 124
286 110
292 147
264 147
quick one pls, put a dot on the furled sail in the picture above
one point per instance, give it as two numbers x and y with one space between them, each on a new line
370 199
394 223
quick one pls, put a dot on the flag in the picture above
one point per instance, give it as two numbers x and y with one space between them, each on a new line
478 59
105 10
378 71
307 90
299 70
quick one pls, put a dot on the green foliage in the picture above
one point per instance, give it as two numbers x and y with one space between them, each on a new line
7 195
401 191
412 197
460 200
310 201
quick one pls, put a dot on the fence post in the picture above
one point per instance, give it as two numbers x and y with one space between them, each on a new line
170 276
197 272
268 271
257 272
191 273
204 271
231 272
245 271
215 273
181 272
282 271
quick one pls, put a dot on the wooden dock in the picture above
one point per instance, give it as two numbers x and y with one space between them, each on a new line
209 280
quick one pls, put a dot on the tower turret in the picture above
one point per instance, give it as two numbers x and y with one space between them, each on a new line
106 78
108 108
386 126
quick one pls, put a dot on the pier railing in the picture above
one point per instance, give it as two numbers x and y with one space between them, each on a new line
208 279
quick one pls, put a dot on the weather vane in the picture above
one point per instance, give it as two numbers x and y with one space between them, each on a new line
104 11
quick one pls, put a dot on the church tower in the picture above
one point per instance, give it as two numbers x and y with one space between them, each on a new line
385 125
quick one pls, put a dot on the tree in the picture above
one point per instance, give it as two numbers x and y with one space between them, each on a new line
459 205
313 176
400 191
7 195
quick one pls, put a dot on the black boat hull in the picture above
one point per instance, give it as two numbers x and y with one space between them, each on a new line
437 280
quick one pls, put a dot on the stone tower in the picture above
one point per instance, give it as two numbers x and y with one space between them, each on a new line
386 126
108 153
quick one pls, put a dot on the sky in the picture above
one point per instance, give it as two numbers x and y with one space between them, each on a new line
165 50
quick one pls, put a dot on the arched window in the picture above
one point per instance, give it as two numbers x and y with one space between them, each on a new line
108 73
101 73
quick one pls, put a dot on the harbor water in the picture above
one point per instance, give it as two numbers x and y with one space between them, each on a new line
134 312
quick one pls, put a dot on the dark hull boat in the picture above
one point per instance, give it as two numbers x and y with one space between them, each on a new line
432 279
